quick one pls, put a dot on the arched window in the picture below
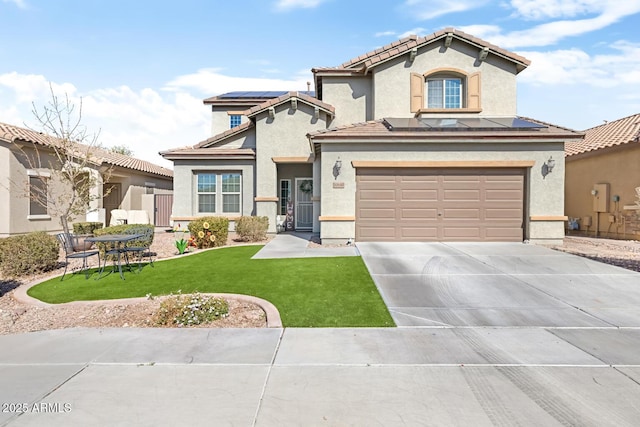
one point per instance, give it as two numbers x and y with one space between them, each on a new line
445 89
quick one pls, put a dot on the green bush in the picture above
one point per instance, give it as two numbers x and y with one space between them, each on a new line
252 228
28 254
189 310
86 227
210 231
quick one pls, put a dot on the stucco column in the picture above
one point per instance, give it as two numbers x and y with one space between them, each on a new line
267 191
96 212
317 189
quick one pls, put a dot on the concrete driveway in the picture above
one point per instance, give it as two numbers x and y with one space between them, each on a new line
500 284
509 334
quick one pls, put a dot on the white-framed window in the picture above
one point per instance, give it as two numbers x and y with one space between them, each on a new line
38 194
285 195
444 92
234 120
231 186
207 192
219 192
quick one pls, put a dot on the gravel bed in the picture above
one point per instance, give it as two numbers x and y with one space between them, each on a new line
18 317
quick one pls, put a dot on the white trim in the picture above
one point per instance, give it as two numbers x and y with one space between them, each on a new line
38 217
41 174
280 205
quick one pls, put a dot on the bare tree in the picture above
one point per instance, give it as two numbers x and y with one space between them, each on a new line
67 163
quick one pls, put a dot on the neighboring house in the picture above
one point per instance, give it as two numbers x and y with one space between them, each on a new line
603 173
133 183
416 141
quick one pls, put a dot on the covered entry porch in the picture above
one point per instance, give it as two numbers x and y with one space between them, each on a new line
295 196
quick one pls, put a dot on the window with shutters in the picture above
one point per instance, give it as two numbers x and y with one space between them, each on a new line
445 89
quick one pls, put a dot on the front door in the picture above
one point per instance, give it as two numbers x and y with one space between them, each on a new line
304 206
112 199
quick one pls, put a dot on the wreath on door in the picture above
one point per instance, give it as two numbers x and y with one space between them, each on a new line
306 187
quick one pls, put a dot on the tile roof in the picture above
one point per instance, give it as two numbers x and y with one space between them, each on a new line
224 135
404 45
12 133
209 153
377 128
618 132
286 97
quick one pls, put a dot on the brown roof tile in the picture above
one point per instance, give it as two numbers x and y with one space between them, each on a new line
400 46
12 133
224 135
209 153
286 97
617 132
377 128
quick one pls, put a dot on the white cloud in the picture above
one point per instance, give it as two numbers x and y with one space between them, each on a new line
429 9
212 82
147 121
418 31
620 68
22 4
542 9
609 12
384 33
295 4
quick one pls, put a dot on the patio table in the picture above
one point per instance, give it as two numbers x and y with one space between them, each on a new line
118 241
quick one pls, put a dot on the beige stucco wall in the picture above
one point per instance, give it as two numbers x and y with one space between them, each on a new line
544 196
5 199
617 167
246 139
351 97
220 118
14 192
185 186
282 136
391 80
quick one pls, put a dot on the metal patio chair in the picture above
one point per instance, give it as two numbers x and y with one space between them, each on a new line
141 246
67 241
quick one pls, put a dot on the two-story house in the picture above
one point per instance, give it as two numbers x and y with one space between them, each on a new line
416 141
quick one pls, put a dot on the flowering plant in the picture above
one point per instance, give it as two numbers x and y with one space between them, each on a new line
189 310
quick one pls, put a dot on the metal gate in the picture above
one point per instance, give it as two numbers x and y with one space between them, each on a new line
163 204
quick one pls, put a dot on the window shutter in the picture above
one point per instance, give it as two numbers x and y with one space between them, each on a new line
474 90
417 92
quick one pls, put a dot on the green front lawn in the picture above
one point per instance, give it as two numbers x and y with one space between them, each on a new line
308 292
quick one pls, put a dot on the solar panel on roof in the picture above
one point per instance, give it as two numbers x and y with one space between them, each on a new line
461 124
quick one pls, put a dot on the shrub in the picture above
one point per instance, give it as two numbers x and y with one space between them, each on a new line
252 228
209 232
86 227
189 310
28 254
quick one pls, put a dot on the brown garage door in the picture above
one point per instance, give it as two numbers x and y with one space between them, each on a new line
439 204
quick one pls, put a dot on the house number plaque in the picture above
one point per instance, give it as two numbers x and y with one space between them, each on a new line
338 185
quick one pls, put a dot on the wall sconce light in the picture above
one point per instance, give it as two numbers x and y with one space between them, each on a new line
337 167
547 167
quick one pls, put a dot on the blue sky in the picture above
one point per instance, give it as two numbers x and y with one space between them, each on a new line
142 68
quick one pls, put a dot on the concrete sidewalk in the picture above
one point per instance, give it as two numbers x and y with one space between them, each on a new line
311 377
296 245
